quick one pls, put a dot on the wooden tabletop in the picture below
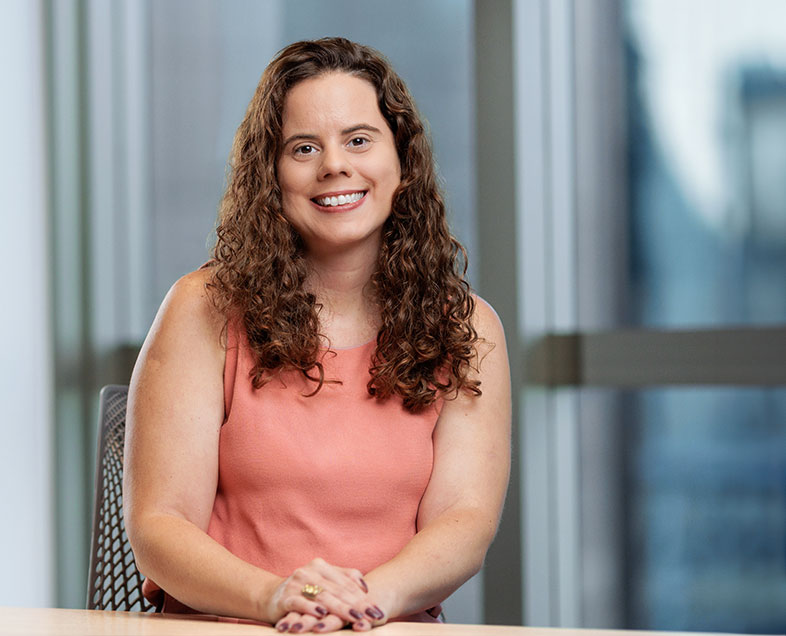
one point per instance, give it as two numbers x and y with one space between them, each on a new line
64 622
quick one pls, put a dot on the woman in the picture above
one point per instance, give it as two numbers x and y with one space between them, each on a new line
318 425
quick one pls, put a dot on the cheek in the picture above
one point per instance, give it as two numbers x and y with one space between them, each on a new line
391 177
395 181
290 169
289 200
396 162
293 197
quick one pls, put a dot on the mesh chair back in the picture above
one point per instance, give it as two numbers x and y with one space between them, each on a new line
114 583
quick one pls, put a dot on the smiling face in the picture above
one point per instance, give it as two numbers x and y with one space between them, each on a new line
338 168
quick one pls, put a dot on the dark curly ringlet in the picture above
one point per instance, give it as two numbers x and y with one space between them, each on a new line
426 344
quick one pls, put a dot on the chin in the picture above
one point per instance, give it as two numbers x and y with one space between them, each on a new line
342 241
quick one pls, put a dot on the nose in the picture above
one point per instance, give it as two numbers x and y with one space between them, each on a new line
334 162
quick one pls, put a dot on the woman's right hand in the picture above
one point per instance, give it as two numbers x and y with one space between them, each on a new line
343 594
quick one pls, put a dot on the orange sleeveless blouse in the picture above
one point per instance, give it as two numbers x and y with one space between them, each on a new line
337 475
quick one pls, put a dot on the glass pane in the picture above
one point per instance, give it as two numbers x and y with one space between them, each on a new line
706 509
707 161
706 488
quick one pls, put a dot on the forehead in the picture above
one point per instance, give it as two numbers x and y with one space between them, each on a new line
334 100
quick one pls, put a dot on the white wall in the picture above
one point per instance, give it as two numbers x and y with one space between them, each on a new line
26 554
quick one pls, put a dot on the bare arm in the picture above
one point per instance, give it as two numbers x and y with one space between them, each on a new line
175 413
460 510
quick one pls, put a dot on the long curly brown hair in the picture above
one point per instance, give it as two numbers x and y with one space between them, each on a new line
426 344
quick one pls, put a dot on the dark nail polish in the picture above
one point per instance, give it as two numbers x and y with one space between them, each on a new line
381 613
297 627
283 627
372 613
320 610
365 587
356 615
319 626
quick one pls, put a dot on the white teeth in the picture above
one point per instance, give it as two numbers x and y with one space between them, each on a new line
341 199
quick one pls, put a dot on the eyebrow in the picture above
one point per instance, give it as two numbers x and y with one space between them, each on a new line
346 131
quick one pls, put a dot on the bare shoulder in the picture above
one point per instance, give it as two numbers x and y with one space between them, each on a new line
188 312
190 295
488 326
194 282
185 340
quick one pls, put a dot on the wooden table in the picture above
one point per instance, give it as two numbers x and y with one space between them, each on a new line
63 622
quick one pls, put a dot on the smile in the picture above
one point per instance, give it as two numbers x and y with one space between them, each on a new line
341 199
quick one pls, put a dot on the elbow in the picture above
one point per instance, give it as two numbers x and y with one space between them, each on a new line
486 531
483 528
144 532
134 528
476 564
486 523
485 540
476 557
154 535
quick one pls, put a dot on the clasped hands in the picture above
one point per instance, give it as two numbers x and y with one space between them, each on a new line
320 597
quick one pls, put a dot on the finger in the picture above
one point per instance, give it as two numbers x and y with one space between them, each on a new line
304 624
334 587
357 577
287 621
342 591
361 626
331 623
375 615
346 611
340 607
344 577
353 609
321 573
296 602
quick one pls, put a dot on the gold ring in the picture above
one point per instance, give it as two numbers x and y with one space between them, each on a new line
310 591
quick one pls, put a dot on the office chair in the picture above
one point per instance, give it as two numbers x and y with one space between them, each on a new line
114 583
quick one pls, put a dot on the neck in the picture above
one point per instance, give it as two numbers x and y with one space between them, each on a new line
340 276
340 282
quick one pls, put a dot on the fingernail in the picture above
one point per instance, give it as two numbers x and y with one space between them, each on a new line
359 625
282 627
381 613
320 610
356 615
297 627
365 587
319 626
372 613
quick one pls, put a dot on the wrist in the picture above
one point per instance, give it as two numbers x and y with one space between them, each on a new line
384 595
264 600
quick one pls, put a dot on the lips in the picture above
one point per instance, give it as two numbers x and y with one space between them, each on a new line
339 200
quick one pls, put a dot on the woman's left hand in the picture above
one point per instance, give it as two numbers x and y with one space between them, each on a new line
295 623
